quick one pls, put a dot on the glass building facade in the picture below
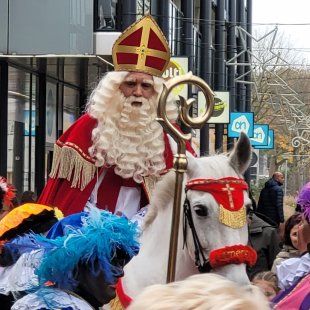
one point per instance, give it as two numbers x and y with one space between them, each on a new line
48 102
49 66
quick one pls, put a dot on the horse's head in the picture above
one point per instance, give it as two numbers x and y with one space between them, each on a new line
215 206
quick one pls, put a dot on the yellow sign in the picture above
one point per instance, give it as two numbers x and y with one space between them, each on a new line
177 66
221 107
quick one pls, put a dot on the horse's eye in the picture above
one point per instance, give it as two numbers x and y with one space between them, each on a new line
201 210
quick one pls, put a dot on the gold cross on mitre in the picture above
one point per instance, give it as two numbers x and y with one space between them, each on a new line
142 47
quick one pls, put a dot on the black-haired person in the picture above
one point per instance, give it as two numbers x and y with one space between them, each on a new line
17 222
28 196
80 269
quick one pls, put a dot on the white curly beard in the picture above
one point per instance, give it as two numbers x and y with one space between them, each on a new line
130 139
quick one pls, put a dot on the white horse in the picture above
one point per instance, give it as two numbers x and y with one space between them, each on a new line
150 265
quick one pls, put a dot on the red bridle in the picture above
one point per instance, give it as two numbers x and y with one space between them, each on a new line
228 192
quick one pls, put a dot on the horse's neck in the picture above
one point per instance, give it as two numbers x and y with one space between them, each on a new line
150 265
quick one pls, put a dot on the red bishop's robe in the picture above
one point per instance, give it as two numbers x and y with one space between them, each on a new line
74 174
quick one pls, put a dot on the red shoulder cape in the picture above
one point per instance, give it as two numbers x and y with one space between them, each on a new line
74 176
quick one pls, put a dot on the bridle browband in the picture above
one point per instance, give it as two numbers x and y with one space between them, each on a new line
236 254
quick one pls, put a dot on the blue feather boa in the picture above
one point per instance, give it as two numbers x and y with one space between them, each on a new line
100 239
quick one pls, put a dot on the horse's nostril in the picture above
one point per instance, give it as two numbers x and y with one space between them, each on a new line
201 210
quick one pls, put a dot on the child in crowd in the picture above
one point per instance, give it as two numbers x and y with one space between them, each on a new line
267 281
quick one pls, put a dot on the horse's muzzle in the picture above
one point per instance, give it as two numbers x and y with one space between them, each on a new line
235 254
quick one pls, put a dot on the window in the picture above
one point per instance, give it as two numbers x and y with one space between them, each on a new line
105 15
21 129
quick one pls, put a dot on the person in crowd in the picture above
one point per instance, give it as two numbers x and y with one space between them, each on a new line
264 239
29 217
7 197
10 250
28 196
17 267
19 221
267 281
200 292
270 201
294 273
290 241
78 269
113 155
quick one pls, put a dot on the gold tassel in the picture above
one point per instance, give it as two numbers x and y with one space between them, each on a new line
115 304
67 162
233 219
56 161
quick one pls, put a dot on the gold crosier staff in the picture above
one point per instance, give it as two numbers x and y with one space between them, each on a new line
180 160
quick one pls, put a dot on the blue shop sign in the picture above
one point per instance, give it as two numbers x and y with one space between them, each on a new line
241 121
260 135
270 144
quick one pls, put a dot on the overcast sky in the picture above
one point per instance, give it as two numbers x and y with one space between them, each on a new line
294 14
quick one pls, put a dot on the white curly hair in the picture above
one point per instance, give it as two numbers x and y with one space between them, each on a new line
201 292
126 137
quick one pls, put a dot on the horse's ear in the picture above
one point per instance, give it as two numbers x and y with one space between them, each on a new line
191 164
240 157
